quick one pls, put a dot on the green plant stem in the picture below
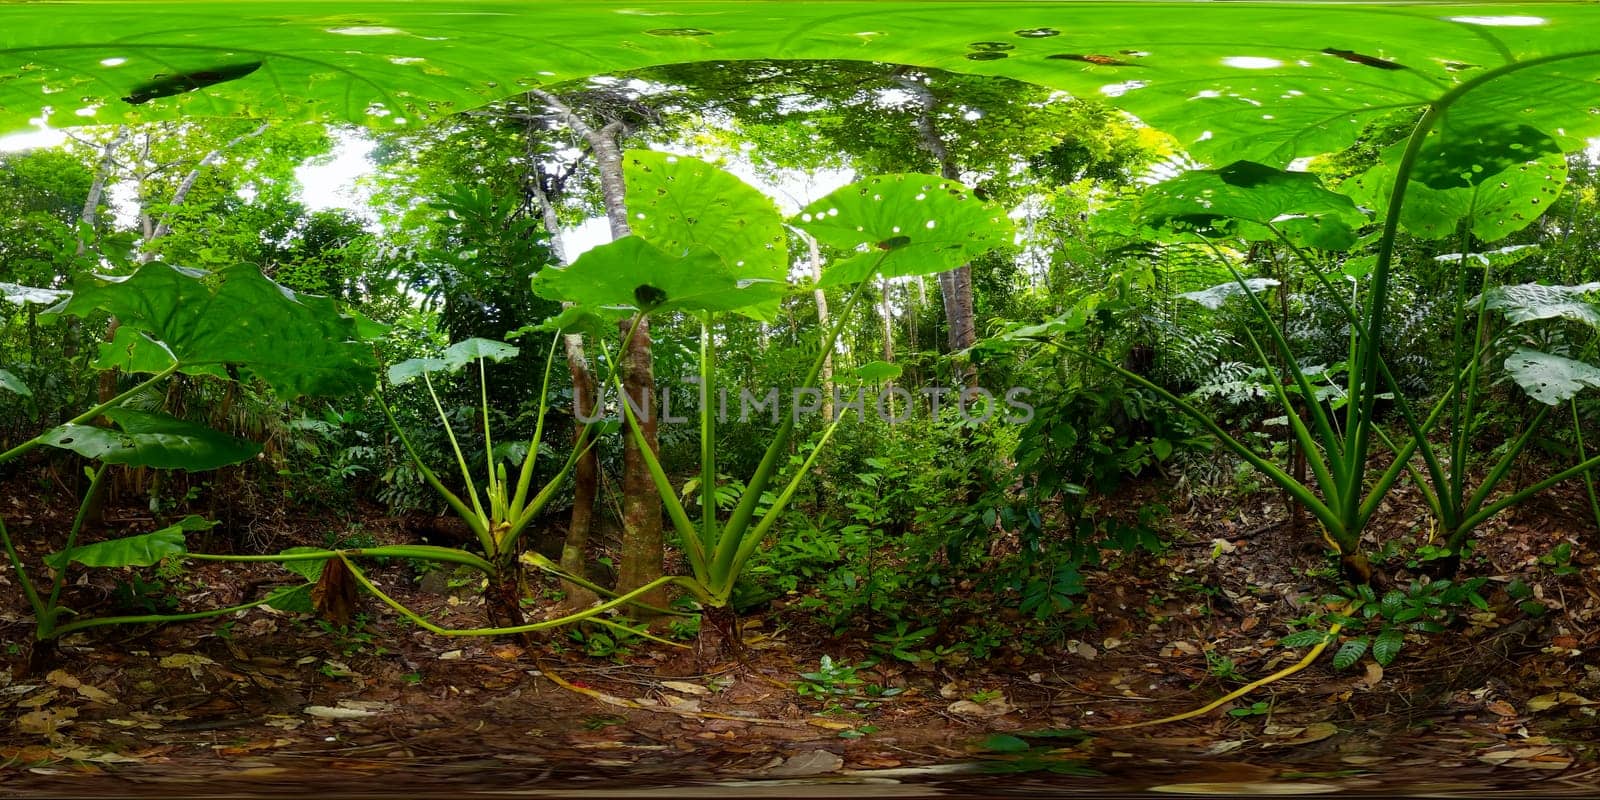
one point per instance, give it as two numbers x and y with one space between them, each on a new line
525 475
47 623
708 434
486 538
154 619
1588 477
22 573
479 528
586 614
419 552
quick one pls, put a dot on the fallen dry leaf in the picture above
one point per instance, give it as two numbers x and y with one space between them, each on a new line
1545 702
829 724
1262 788
1553 758
1501 708
685 687
45 721
60 678
96 695
811 762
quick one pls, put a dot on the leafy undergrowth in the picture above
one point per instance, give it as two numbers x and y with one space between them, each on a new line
268 702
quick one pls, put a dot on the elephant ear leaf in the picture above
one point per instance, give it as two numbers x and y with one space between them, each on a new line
132 551
144 439
454 358
234 319
1527 302
633 275
1215 296
1551 379
679 204
1495 177
903 225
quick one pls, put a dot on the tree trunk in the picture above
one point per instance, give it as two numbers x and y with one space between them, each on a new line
955 285
586 473
814 251
642 546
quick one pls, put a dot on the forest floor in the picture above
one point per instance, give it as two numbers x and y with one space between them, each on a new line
268 704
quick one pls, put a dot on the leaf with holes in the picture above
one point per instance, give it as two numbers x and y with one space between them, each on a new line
1527 302
679 204
1550 379
144 439
903 225
232 319
633 275
1350 652
1496 179
1245 198
132 551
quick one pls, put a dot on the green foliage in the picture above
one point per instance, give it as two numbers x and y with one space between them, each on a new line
151 440
132 551
232 321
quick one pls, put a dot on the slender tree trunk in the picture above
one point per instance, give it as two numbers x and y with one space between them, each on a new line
586 473
821 297
643 548
955 285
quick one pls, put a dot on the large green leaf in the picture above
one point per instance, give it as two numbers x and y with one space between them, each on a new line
633 275
906 224
1267 82
1550 379
132 551
1497 179
1526 302
454 358
14 384
1216 200
233 319
679 204
152 440
1215 296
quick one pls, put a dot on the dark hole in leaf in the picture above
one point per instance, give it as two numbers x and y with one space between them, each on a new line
986 56
894 243
1038 33
677 32
1364 60
648 296
1247 174
169 85
1092 58
992 47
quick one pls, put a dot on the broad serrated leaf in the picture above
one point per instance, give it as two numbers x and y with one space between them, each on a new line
1215 296
632 275
231 319
132 551
681 204
144 439
1527 302
1550 379
1350 652
14 384
904 224
1388 645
